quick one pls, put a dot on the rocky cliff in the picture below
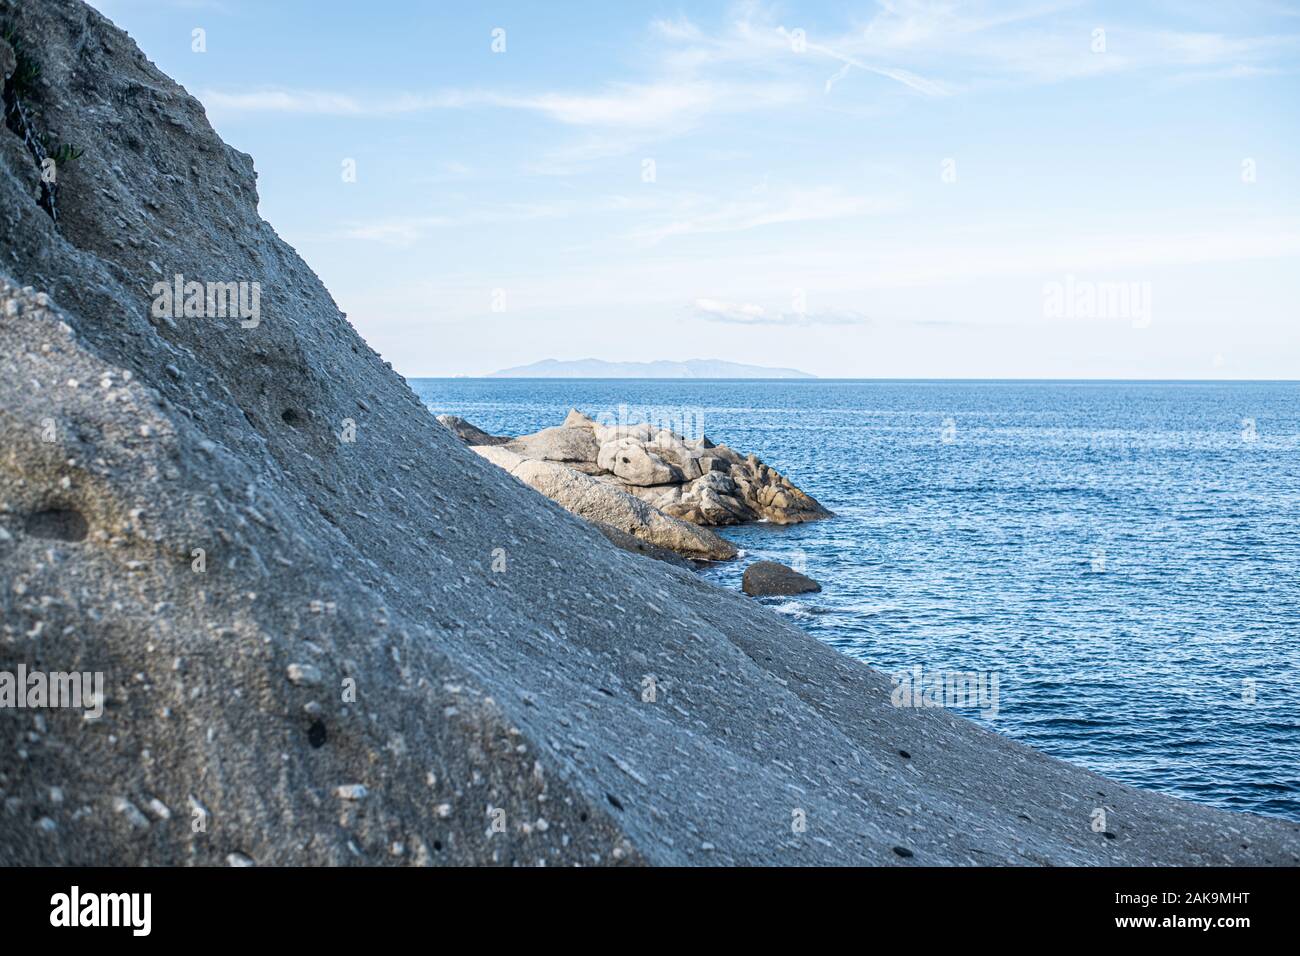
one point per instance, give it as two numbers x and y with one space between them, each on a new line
331 634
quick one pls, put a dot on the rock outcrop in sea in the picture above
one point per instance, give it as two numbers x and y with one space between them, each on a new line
605 503
593 470
329 633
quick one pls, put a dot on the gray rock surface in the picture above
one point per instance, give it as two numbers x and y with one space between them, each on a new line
770 579
628 542
557 444
633 463
468 433
181 509
599 501
696 481
8 61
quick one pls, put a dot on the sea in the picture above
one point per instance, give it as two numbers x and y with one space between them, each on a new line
1119 561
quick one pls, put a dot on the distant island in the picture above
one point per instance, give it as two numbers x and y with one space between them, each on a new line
693 368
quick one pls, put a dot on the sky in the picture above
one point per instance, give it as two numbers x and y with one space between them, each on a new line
889 189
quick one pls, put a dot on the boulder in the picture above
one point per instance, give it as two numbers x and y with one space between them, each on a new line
575 419
608 433
628 542
695 480
565 443
710 500
771 579
633 462
601 501
468 433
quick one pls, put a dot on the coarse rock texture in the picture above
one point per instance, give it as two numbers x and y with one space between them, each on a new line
575 446
598 501
468 433
696 480
8 61
366 646
550 463
621 539
770 579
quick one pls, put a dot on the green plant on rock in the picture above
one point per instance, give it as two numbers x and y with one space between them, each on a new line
27 71
20 115
63 153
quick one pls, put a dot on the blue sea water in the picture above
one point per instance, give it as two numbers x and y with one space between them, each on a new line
1124 556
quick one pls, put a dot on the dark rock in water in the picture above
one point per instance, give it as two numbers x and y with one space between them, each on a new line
770 579
287 500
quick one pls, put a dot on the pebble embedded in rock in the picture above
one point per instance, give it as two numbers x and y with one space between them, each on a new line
305 675
131 812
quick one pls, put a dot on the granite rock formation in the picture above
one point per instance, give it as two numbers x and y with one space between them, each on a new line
694 481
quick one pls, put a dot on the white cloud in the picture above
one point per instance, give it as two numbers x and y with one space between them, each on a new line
1047 42
903 25
323 102
1208 49
731 311
661 104
279 101
791 206
619 105
678 29
932 48
907 78
408 230
746 313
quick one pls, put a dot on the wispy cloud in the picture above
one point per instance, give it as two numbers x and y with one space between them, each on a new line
663 103
755 63
789 206
907 78
408 230
747 313
976 45
676 29
324 102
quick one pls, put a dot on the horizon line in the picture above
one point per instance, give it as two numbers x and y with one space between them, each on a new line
817 378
